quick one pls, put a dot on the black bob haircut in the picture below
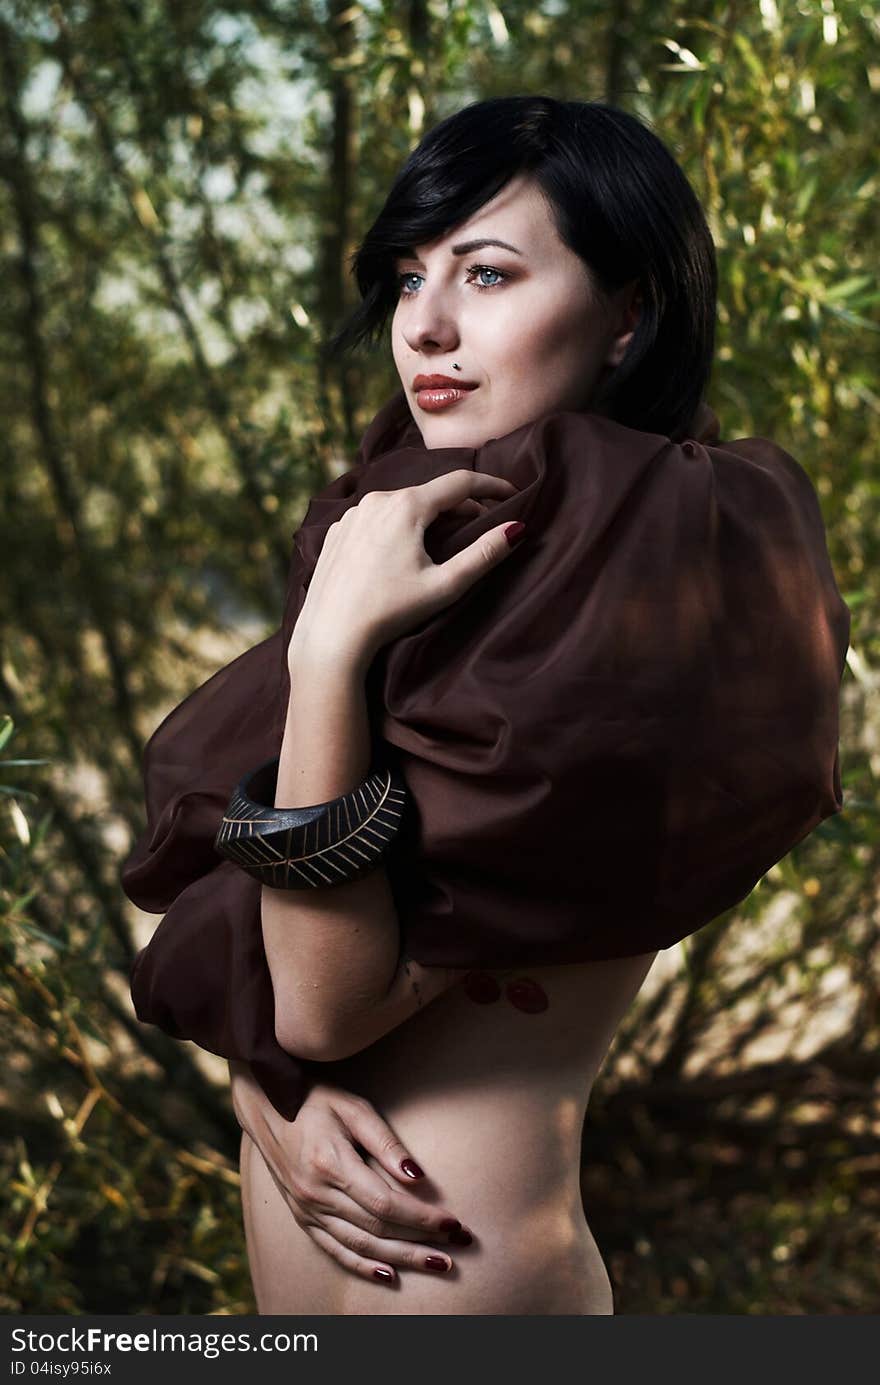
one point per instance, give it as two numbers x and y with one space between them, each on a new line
619 200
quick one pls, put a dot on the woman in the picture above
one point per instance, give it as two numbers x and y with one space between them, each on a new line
497 1116
440 1157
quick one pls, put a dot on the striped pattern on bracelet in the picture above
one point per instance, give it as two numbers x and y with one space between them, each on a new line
310 848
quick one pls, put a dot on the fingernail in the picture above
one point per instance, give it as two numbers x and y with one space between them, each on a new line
514 532
433 1262
383 1274
411 1168
450 1224
461 1238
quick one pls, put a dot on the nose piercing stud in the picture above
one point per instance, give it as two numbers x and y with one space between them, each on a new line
455 367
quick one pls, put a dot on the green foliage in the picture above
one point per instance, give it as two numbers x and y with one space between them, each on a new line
97 1181
181 188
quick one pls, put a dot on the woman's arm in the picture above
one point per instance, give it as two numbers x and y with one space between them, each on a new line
333 953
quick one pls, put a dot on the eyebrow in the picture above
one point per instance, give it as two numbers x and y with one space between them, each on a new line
465 247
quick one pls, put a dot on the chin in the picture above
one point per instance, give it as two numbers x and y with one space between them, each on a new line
442 430
456 437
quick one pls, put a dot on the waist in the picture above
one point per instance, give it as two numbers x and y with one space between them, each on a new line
499 1148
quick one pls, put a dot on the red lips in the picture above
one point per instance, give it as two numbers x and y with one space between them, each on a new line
442 382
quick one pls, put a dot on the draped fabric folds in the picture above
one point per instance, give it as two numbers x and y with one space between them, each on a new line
607 740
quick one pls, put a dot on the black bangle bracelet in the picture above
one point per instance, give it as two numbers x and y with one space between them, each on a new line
309 848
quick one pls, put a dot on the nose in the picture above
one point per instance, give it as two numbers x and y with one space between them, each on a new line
429 323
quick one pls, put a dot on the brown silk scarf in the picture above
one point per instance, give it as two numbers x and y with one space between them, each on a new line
607 740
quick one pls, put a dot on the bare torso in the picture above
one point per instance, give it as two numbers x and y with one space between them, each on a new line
490 1100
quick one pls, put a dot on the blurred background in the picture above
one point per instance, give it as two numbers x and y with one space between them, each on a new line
181 185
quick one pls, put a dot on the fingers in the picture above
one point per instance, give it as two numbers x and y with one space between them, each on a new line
469 507
378 1207
369 1129
395 1218
356 1211
376 1271
364 1254
378 1204
460 572
447 491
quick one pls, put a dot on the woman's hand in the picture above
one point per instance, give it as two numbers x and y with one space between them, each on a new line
374 579
347 1208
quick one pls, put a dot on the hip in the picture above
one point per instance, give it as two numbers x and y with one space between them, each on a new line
537 1257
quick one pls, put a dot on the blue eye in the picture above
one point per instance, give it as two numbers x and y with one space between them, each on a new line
400 280
502 274
487 269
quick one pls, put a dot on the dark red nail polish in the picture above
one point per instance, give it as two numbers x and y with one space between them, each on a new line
527 995
514 532
433 1262
481 987
384 1275
450 1224
411 1168
461 1238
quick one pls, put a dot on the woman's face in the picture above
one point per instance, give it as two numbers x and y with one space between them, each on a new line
524 322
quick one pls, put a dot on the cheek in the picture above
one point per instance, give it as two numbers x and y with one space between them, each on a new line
399 345
395 338
543 341
403 362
